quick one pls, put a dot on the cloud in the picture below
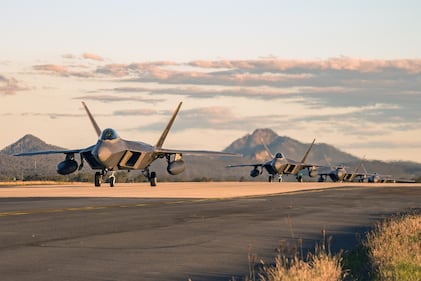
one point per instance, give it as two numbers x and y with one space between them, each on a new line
68 56
91 56
63 70
118 98
336 75
212 117
299 77
114 70
52 115
384 144
52 68
10 86
357 92
339 63
140 112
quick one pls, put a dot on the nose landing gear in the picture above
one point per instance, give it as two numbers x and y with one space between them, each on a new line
99 176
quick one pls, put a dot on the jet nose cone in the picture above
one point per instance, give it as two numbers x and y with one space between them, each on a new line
102 153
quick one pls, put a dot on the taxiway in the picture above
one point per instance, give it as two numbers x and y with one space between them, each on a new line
176 231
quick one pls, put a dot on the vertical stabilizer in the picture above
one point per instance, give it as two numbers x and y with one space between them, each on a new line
167 129
267 148
354 174
96 127
307 152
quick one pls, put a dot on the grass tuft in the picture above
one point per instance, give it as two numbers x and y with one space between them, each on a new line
394 248
291 265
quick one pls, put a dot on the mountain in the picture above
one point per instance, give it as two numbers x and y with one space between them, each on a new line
28 167
28 143
251 146
200 168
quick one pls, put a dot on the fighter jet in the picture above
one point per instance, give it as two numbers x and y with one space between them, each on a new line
280 165
111 153
339 174
379 178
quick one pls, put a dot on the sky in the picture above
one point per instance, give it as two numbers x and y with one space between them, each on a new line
347 73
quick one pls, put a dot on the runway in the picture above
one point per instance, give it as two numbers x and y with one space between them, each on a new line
177 231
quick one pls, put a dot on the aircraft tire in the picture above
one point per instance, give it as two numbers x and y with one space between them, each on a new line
152 179
270 179
112 181
97 179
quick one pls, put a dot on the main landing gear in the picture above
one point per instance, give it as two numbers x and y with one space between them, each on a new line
99 178
151 176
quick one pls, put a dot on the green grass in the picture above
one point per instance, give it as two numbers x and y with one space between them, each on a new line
395 249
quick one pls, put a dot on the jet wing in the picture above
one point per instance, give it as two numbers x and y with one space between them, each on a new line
304 166
143 147
245 165
325 170
43 152
351 176
193 152
297 166
404 181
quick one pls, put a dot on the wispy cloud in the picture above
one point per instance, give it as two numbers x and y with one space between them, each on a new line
64 70
91 56
68 56
52 115
140 112
212 117
118 98
343 75
10 86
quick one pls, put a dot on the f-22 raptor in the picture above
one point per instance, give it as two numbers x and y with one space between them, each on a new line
111 153
340 174
280 165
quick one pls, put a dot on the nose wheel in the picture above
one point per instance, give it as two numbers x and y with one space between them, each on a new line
112 179
99 176
98 179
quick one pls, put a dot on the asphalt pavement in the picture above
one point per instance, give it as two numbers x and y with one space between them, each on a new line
122 238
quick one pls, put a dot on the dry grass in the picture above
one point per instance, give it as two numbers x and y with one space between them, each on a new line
320 267
394 247
290 265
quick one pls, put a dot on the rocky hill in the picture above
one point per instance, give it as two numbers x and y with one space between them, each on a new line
253 146
28 143
41 166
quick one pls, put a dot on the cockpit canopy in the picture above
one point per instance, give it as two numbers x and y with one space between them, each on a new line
279 155
109 134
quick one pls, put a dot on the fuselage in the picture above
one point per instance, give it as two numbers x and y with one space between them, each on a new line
114 153
338 174
280 165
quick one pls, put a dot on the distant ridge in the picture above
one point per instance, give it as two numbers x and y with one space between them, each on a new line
28 143
251 146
